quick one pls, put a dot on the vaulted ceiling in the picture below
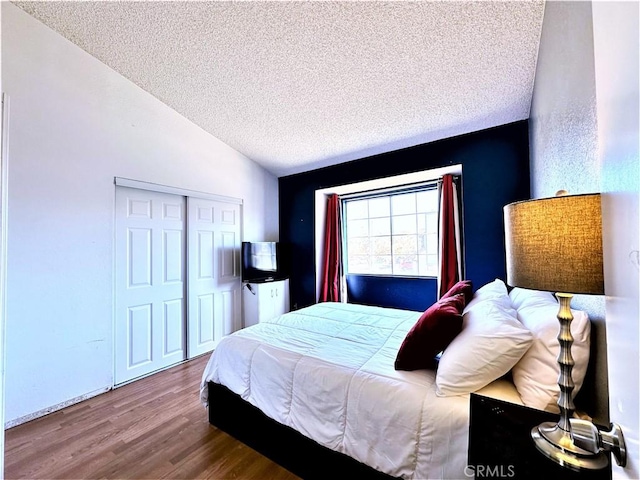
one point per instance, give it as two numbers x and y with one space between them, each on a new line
301 85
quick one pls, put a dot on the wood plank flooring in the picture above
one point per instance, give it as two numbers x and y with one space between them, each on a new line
149 429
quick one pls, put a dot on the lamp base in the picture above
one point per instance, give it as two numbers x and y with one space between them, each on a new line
558 445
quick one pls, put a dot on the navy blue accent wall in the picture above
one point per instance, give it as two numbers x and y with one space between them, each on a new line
397 292
495 172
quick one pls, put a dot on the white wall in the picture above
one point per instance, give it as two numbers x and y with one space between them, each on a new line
584 137
3 263
616 50
563 139
563 120
75 125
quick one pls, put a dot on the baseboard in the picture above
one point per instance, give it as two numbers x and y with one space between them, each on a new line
53 408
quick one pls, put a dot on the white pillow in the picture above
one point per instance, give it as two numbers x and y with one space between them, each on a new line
536 374
521 297
495 291
492 340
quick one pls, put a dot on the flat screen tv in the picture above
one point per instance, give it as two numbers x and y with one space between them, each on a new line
262 261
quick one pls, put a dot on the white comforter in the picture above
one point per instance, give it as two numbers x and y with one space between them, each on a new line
327 371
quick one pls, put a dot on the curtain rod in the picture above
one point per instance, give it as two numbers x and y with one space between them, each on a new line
396 188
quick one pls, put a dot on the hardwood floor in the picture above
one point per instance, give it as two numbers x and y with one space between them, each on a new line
149 429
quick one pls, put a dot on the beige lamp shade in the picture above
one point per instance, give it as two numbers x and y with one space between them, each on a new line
555 244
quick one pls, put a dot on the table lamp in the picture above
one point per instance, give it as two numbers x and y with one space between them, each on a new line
555 244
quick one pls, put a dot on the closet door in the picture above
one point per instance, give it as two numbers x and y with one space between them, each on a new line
213 273
150 310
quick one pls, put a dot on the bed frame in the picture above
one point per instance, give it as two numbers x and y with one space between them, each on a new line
284 445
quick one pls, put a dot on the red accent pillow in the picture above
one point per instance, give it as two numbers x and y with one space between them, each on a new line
431 334
463 286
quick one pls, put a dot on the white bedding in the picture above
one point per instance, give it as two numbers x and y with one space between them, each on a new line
327 371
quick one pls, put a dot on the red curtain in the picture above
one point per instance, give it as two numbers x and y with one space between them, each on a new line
332 258
449 270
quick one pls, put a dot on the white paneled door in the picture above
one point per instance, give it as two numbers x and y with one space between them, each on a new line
213 273
150 276
178 282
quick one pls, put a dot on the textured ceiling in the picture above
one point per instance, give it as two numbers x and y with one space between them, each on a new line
300 85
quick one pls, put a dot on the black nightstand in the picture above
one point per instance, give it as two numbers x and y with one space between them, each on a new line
500 444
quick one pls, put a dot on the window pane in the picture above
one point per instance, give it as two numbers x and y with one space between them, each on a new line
422 244
381 246
357 209
380 226
358 246
432 244
427 201
432 223
428 265
404 203
379 207
422 264
405 264
358 263
432 264
381 264
403 224
428 244
358 228
393 234
427 222
404 244
422 223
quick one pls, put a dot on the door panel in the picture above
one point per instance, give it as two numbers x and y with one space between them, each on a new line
205 255
174 327
205 319
150 316
214 276
139 328
139 208
228 256
173 253
139 256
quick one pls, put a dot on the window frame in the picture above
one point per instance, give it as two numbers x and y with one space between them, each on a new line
390 192
321 194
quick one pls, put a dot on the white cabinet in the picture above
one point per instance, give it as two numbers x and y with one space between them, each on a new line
263 301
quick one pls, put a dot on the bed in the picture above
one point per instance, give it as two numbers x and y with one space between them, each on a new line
324 376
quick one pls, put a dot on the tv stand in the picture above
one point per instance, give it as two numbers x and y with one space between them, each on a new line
264 300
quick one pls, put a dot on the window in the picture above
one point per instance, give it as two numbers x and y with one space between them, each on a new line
393 233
